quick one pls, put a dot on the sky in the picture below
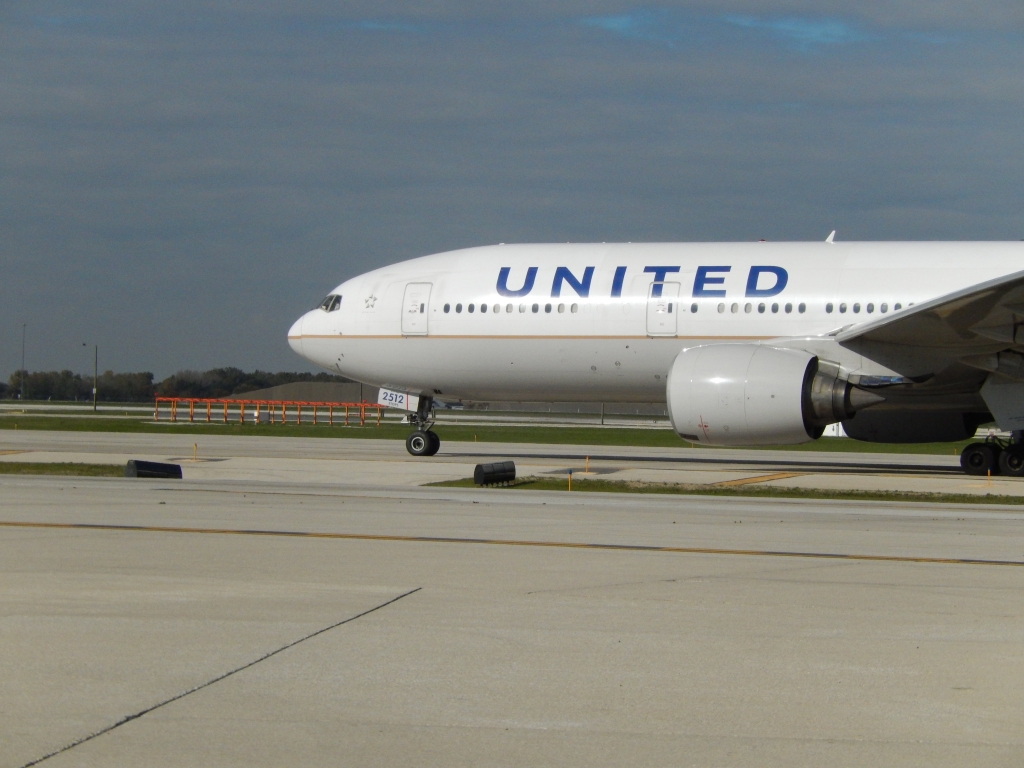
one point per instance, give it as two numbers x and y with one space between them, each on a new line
180 181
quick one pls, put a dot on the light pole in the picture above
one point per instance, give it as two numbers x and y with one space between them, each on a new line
95 371
23 362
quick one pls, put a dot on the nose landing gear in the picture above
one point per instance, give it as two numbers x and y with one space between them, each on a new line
424 441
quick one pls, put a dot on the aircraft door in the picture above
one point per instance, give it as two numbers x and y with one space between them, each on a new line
415 308
662 309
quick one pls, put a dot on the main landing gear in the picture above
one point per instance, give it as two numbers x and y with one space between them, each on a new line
994 456
423 442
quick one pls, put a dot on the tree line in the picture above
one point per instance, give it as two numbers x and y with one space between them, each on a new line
141 387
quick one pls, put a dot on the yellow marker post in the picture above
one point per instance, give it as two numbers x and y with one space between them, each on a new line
570 479
195 451
587 470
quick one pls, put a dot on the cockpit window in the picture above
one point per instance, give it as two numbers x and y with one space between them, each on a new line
331 303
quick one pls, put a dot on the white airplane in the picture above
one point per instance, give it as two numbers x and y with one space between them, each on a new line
747 343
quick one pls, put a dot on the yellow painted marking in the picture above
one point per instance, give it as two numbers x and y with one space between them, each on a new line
759 479
511 543
11 453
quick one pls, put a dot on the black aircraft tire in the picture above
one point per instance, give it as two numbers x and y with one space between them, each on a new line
419 443
979 459
435 443
1011 461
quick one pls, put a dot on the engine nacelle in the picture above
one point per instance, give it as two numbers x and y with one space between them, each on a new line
748 394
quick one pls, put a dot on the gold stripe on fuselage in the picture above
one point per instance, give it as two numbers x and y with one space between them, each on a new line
538 338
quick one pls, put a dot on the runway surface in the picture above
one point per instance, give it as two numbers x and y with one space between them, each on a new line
371 462
298 618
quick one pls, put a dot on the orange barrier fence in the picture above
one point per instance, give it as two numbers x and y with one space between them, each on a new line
277 410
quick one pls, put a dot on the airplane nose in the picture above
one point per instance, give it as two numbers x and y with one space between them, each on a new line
295 335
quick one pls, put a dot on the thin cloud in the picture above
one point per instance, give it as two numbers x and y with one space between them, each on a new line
370 25
670 28
803 32
642 25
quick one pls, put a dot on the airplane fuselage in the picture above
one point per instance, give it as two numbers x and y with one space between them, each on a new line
604 322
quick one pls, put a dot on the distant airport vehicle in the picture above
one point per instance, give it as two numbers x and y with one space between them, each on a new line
747 343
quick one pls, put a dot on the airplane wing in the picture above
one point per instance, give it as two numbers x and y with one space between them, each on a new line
927 337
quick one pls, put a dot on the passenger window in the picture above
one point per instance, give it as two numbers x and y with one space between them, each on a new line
447 308
802 308
471 308
734 308
721 308
789 308
829 308
574 308
897 307
561 309
483 308
760 308
747 307
547 308
458 308
522 308
497 308
870 308
775 308
536 308
508 308
884 308
842 308
856 307
693 307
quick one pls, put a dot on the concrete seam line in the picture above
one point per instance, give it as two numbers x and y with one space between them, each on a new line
463 493
516 543
217 679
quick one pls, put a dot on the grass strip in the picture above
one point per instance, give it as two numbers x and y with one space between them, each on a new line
496 433
68 468
742 491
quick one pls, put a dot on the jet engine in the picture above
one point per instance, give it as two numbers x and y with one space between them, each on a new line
748 394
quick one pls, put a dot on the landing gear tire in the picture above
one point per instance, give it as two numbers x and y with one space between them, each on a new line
418 443
1011 461
422 443
980 459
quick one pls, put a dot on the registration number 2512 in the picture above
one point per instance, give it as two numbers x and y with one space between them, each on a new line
394 399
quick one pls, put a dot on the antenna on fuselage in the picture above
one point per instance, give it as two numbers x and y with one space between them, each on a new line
829 238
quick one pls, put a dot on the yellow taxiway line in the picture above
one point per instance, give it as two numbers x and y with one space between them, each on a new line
758 479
